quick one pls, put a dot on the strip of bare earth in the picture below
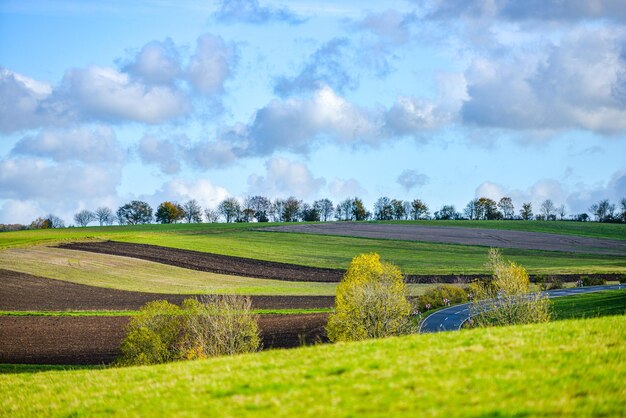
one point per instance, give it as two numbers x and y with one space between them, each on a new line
247 267
97 339
20 291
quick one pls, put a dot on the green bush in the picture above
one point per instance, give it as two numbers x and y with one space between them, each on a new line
213 326
434 297
592 281
622 278
152 335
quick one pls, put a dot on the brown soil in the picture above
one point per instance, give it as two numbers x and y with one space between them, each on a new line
247 267
465 236
96 340
24 292
215 263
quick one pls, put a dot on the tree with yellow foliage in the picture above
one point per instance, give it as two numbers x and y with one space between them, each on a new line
371 301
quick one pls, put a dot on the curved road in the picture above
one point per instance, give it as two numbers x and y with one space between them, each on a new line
452 318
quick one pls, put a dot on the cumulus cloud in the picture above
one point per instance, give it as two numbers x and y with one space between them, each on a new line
23 103
576 84
211 64
284 178
152 88
37 179
410 179
98 145
19 211
343 188
163 153
156 63
250 11
203 190
541 10
103 93
301 124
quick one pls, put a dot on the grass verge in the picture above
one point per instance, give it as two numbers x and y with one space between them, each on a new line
572 368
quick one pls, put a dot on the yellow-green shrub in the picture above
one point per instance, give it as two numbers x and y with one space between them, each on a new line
371 301
505 299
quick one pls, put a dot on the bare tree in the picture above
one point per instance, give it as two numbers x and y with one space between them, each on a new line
325 209
622 204
506 207
383 209
561 212
229 208
193 211
104 216
84 217
260 207
603 210
548 209
211 215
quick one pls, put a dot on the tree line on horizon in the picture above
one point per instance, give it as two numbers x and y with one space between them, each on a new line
263 209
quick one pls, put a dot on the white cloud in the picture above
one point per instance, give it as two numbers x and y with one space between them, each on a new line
344 188
32 178
540 10
163 153
97 145
20 212
579 83
22 102
156 63
105 93
203 190
285 178
211 64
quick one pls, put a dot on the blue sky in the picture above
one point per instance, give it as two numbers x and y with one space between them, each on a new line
104 102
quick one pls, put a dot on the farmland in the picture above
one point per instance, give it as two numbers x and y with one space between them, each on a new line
530 370
335 252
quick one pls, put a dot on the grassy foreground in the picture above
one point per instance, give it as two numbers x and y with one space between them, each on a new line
573 368
246 240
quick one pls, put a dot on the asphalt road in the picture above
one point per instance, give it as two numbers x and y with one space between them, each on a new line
452 318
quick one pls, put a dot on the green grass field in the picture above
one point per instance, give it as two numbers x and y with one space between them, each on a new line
245 240
132 274
566 368
610 302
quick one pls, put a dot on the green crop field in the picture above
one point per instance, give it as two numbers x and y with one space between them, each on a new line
566 368
610 302
246 240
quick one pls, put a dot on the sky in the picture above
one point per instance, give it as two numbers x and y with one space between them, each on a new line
108 101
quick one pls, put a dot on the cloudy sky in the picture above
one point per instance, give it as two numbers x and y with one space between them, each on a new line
445 100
